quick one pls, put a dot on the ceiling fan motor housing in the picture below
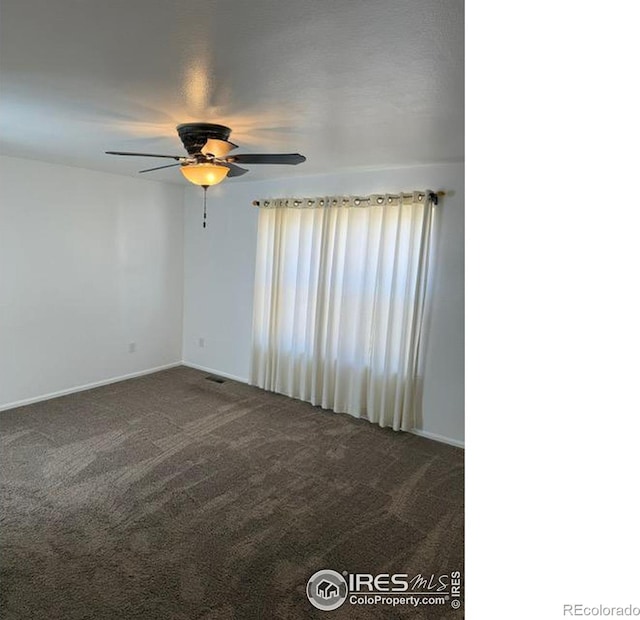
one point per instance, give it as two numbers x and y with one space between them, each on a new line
195 135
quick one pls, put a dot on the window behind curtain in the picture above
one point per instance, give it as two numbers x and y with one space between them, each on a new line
339 302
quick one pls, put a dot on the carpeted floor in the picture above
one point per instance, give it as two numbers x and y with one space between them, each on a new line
172 497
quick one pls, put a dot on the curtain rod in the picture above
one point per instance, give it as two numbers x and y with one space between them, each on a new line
433 196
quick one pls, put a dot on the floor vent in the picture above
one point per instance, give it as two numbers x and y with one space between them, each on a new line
215 378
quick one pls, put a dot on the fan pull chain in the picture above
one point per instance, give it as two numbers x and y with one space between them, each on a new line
204 217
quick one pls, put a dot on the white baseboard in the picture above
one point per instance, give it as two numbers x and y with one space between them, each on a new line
441 438
213 371
88 386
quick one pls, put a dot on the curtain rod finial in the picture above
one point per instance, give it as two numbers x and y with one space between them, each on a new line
435 196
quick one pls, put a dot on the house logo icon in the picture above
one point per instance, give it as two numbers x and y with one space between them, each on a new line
327 590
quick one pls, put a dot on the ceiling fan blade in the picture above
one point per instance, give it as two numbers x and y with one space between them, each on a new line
176 157
217 148
252 158
234 171
158 168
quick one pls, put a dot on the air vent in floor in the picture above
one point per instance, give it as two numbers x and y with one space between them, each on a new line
215 378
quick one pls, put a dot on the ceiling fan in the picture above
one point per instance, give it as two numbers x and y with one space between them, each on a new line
208 161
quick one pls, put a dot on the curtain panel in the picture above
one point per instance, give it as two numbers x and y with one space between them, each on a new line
340 295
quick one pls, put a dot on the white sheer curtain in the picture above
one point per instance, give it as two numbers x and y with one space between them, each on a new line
340 294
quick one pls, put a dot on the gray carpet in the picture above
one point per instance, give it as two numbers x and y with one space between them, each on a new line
171 497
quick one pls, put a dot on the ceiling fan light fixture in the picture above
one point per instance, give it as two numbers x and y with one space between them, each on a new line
204 174
208 162
217 148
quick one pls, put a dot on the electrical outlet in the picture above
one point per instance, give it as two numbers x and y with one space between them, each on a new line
132 347
201 343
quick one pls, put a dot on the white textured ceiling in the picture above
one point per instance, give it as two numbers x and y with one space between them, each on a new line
349 83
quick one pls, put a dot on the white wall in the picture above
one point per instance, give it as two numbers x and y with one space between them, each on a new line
219 276
89 263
